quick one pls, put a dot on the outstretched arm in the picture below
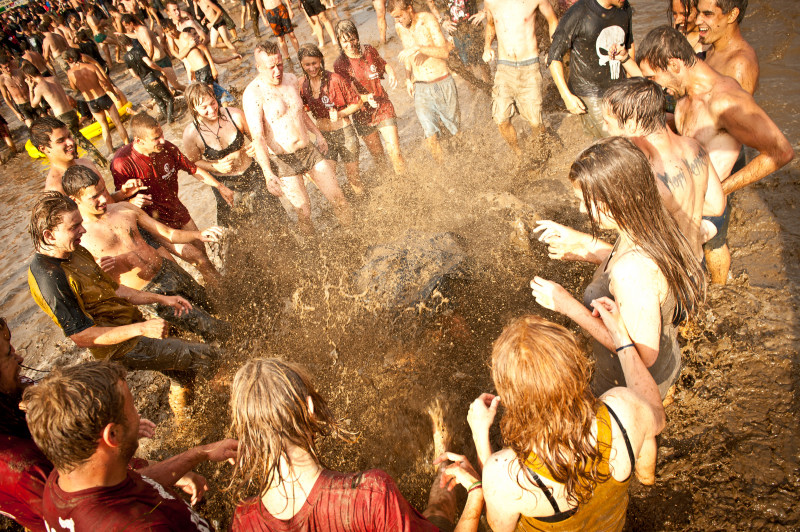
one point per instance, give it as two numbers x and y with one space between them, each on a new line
169 471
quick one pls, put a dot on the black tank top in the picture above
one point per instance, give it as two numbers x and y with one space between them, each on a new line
210 154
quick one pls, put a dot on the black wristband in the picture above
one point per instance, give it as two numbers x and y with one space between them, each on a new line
620 348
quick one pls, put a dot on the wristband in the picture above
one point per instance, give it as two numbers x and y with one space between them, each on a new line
624 60
620 348
475 485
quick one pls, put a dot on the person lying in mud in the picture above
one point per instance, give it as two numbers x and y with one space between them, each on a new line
332 101
84 421
688 183
281 132
723 117
571 454
217 141
277 416
113 237
203 66
156 162
650 272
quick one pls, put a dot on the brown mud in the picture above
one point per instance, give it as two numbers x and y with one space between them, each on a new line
728 457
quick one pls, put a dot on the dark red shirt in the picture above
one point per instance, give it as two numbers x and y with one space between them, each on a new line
135 504
23 473
340 502
366 73
335 93
159 172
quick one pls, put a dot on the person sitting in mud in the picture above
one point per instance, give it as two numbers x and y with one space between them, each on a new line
51 91
15 91
688 184
156 162
722 117
94 85
277 417
592 444
332 101
84 420
152 48
99 314
112 237
217 141
425 53
650 272
144 68
281 132
364 68
203 66
279 15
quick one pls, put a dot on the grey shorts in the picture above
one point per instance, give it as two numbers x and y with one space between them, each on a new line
297 163
436 104
171 356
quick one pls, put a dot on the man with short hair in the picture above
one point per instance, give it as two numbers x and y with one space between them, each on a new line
687 182
156 162
202 65
84 420
113 237
15 91
714 110
144 68
53 46
599 35
425 52
718 23
518 79
281 132
152 48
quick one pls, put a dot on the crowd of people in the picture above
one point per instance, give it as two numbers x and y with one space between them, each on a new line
670 118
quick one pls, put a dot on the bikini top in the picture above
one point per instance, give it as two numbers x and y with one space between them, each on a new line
211 154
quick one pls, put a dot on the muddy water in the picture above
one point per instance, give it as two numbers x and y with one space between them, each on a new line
728 458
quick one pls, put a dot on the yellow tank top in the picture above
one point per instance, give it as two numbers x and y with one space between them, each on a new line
605 510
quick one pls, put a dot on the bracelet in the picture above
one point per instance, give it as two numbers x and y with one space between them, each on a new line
624 60
626 346
475 485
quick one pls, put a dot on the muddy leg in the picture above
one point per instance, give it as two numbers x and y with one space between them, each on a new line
324 176
718 262
295 191
354 178
510 135
323 19
392 140
441 502
435 147
380 11
123 133
101 119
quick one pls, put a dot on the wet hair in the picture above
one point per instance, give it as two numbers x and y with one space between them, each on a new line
69 409
311 50
195 94
47 213
41 129
72 55
616 177
729 5
543 376
5 58
346 29
76 178
268 47
127 18
142 124
640 100
84 35
168 25
269 412
398 4
687 6
29 69
661 45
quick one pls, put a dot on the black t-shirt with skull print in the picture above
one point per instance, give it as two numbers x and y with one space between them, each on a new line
589 30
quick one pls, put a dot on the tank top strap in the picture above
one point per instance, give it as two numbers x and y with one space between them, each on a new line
603 438
197 127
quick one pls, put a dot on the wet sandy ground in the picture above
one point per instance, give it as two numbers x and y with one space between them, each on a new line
728 458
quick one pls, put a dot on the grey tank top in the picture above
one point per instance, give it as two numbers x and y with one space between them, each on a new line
608 371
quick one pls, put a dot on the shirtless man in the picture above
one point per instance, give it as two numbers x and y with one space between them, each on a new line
134 29
425 52
35 58
49 89
518 80
94 86
99 24
53 46
280 128
202 66
216 24
182 20
15 91
730 55
714 110
113 238
687 182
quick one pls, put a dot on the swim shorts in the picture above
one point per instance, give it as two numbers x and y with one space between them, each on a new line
26 110
342 144
468 42
436 103
279 20
297 163
99 38
517 89
164 62
723 221
204 75
98 105
219 23
313 7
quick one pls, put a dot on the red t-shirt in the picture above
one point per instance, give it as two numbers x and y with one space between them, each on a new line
135 504
23 473
366 73
335 93
159 172
340 502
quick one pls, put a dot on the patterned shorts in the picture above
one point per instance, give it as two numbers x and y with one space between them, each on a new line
279 20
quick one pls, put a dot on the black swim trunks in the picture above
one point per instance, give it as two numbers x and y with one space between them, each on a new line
723 221
297 163
164 62
313 7
26 110
98 105
342 144
219 23
204 75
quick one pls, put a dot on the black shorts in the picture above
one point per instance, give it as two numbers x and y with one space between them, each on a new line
26 110
98 105
204 75
313 7
164 62
218 24
297 163
342 144
170 355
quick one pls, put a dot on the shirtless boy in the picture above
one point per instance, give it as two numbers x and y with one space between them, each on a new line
280 128
113 238
425 52
714 110
202 66
15 91
518 80
730 55
134 29
216 23
279 15
49 89
687 182
94 85
182 20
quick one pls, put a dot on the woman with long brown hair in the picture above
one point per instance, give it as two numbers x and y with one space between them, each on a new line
570 455
650 271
